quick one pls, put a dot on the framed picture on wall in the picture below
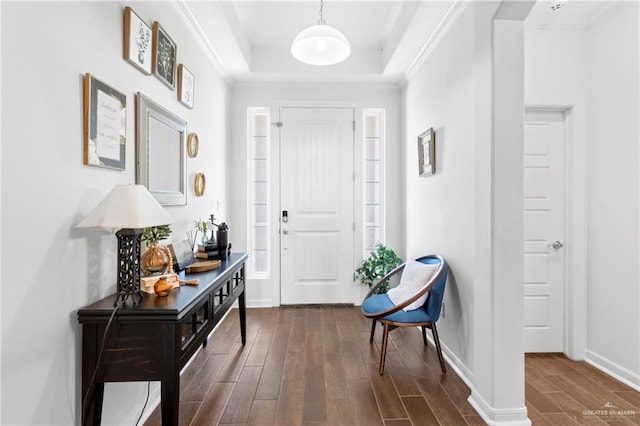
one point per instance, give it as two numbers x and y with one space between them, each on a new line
104 119
427 153
186 82
161 154
137 41
164 54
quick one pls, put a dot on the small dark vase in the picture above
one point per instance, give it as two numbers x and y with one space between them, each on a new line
222 235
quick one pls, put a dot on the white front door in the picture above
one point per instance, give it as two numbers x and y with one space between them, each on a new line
544 230
316 192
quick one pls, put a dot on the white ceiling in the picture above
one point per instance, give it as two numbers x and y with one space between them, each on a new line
250 40
275 24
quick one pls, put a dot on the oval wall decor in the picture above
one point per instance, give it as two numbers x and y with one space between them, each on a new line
193 145
200 184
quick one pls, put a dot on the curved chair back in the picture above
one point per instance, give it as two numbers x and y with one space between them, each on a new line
433 304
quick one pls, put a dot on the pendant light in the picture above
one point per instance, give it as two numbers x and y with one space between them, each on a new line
321 44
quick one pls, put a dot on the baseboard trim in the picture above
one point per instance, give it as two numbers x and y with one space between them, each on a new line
492 416
260 303
612 369
458 366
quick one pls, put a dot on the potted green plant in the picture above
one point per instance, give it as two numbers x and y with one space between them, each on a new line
379 263
157 258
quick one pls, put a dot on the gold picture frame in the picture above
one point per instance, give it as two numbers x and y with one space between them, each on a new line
104 125
137 37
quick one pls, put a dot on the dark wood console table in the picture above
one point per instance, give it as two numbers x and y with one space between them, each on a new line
153 340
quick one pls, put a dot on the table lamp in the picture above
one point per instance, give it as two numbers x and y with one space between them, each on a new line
130 208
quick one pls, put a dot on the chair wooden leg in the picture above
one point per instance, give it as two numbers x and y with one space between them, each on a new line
436 339
383 351
424 335
373 330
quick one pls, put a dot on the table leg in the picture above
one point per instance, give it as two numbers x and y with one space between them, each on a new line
243 317
93 409
170 399
97 404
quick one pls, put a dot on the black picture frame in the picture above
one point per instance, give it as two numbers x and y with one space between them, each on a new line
164 55
182 255
104 125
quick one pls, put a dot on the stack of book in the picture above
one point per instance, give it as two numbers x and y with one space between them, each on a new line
147 283
209 251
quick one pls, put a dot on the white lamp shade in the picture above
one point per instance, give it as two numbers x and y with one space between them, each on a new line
127 206
321 45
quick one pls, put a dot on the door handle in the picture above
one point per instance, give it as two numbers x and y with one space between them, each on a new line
556 245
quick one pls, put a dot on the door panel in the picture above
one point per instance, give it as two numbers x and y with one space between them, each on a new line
543 224
316 185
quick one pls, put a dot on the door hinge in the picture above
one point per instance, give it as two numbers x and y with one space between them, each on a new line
277 124
353 125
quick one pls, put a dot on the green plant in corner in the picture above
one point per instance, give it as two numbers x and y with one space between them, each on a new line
379 263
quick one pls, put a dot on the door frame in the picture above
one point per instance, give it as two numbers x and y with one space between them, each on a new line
575 220
276 108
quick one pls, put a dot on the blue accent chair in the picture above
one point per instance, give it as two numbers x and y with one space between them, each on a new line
381 309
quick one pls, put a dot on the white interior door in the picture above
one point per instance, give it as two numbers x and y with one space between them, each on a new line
316 191
544 231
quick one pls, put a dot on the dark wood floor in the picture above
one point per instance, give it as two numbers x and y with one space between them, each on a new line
559 391
314 365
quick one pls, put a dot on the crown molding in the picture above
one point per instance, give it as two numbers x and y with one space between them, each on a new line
452 14
190 21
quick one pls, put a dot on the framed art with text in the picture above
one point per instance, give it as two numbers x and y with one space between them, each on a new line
137 41
104 122
427 153
186 82
164 54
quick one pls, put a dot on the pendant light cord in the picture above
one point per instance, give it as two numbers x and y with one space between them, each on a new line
321 21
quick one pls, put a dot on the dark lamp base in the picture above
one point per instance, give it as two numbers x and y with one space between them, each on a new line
129 248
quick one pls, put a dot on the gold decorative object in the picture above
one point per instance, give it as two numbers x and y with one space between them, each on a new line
162 287
200 184
156 260
193 145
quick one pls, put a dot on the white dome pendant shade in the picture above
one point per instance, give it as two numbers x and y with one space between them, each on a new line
321 44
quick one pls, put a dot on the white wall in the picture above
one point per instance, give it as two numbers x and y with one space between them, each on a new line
470 89
439 208
262 293
614 186
594 71
52 269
